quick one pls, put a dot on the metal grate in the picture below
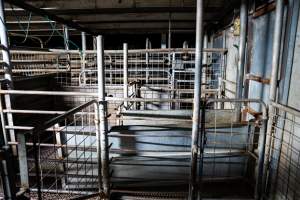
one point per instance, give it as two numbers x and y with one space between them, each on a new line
284 152
65 154
152 73
32 63
229 150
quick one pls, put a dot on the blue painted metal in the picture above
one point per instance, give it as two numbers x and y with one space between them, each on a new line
288 59
262 56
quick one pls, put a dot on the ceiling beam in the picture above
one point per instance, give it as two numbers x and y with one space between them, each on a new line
133 25
129 10
51 16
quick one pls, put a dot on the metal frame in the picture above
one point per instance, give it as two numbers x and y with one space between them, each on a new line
283 153
196 102
36 132
259 186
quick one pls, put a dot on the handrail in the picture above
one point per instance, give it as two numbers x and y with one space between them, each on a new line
61 117
179 50
50 123
287 109
90 94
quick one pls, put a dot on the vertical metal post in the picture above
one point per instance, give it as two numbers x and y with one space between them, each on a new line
204 60
242 53
163 40
259 187
60 152
23 161
36 141
102 115
94 43
276 49
7 173
83 41
66 37
170 33
173 82
83 63
98 138
197 100
220 89
205 46
274 81
125 73
148 46
5 50
185 44
7 66
67 48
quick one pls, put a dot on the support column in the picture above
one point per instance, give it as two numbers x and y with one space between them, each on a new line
102 116
273 89
148 46
242 54
125 73
23 161
170 33
197 102
205 46
66 37
205 62
163 41
7 66
94 43
185 45
83 62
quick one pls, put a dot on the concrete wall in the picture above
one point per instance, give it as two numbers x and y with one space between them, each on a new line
232 42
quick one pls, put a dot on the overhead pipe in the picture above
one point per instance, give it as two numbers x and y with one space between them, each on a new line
242 55
197 100
45 13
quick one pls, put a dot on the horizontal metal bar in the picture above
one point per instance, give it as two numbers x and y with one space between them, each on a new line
109 99
61 191
148 135
286 109
169 50
258 101
259 79
58 119
41 112
51 93
227 81
37 70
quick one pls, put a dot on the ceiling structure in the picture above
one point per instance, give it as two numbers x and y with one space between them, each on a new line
111 16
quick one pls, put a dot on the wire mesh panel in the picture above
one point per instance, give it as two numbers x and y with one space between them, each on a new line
231 152
65 149
32 63
284 152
